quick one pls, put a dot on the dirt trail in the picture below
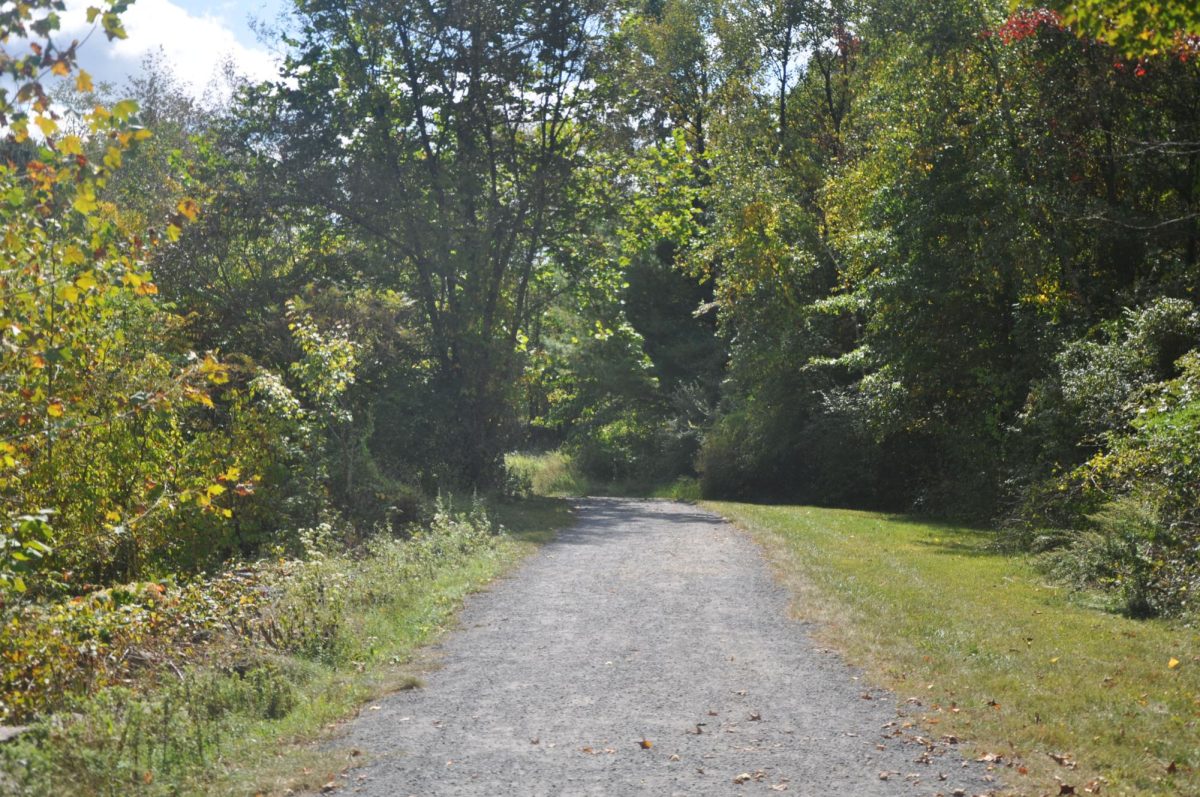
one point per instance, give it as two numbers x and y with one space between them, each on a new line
646 621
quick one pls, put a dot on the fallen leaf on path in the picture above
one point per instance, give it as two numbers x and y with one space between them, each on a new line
1173 664
755 716
1063 788
674 757
646 744
1062 759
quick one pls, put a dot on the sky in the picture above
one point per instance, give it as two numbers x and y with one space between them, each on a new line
195 37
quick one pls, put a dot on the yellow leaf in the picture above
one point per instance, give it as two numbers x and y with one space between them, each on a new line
112 517
61 68
71 145
1054 660
200 397
55 409
227 513
85 201
47 125
231 475
217 374
215 489
125 109
74 256
189 208
173 232
83 81
1173 664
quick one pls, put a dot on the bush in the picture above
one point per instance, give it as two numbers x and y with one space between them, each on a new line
1128 551
633 447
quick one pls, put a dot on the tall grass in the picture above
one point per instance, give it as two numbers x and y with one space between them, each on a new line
340 628
552 473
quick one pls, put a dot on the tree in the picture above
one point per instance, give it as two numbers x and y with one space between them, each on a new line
95 393
445 136
1137 28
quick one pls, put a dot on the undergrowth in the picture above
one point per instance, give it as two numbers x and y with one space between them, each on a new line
167 689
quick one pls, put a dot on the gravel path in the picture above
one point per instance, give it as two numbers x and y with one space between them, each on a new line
646 621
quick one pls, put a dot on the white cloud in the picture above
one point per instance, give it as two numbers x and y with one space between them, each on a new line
195 47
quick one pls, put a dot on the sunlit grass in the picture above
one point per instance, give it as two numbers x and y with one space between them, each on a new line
935 612
551 473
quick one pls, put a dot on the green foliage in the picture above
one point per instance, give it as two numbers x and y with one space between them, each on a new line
276 648
1137 28
56 652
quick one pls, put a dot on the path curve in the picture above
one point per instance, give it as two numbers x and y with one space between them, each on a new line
648 620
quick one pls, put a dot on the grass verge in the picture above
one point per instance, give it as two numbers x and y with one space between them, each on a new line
1066 694
344 628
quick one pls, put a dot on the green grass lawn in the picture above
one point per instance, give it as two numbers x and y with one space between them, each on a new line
996 655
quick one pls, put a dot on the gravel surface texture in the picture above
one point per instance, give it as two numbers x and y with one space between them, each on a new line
646 651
